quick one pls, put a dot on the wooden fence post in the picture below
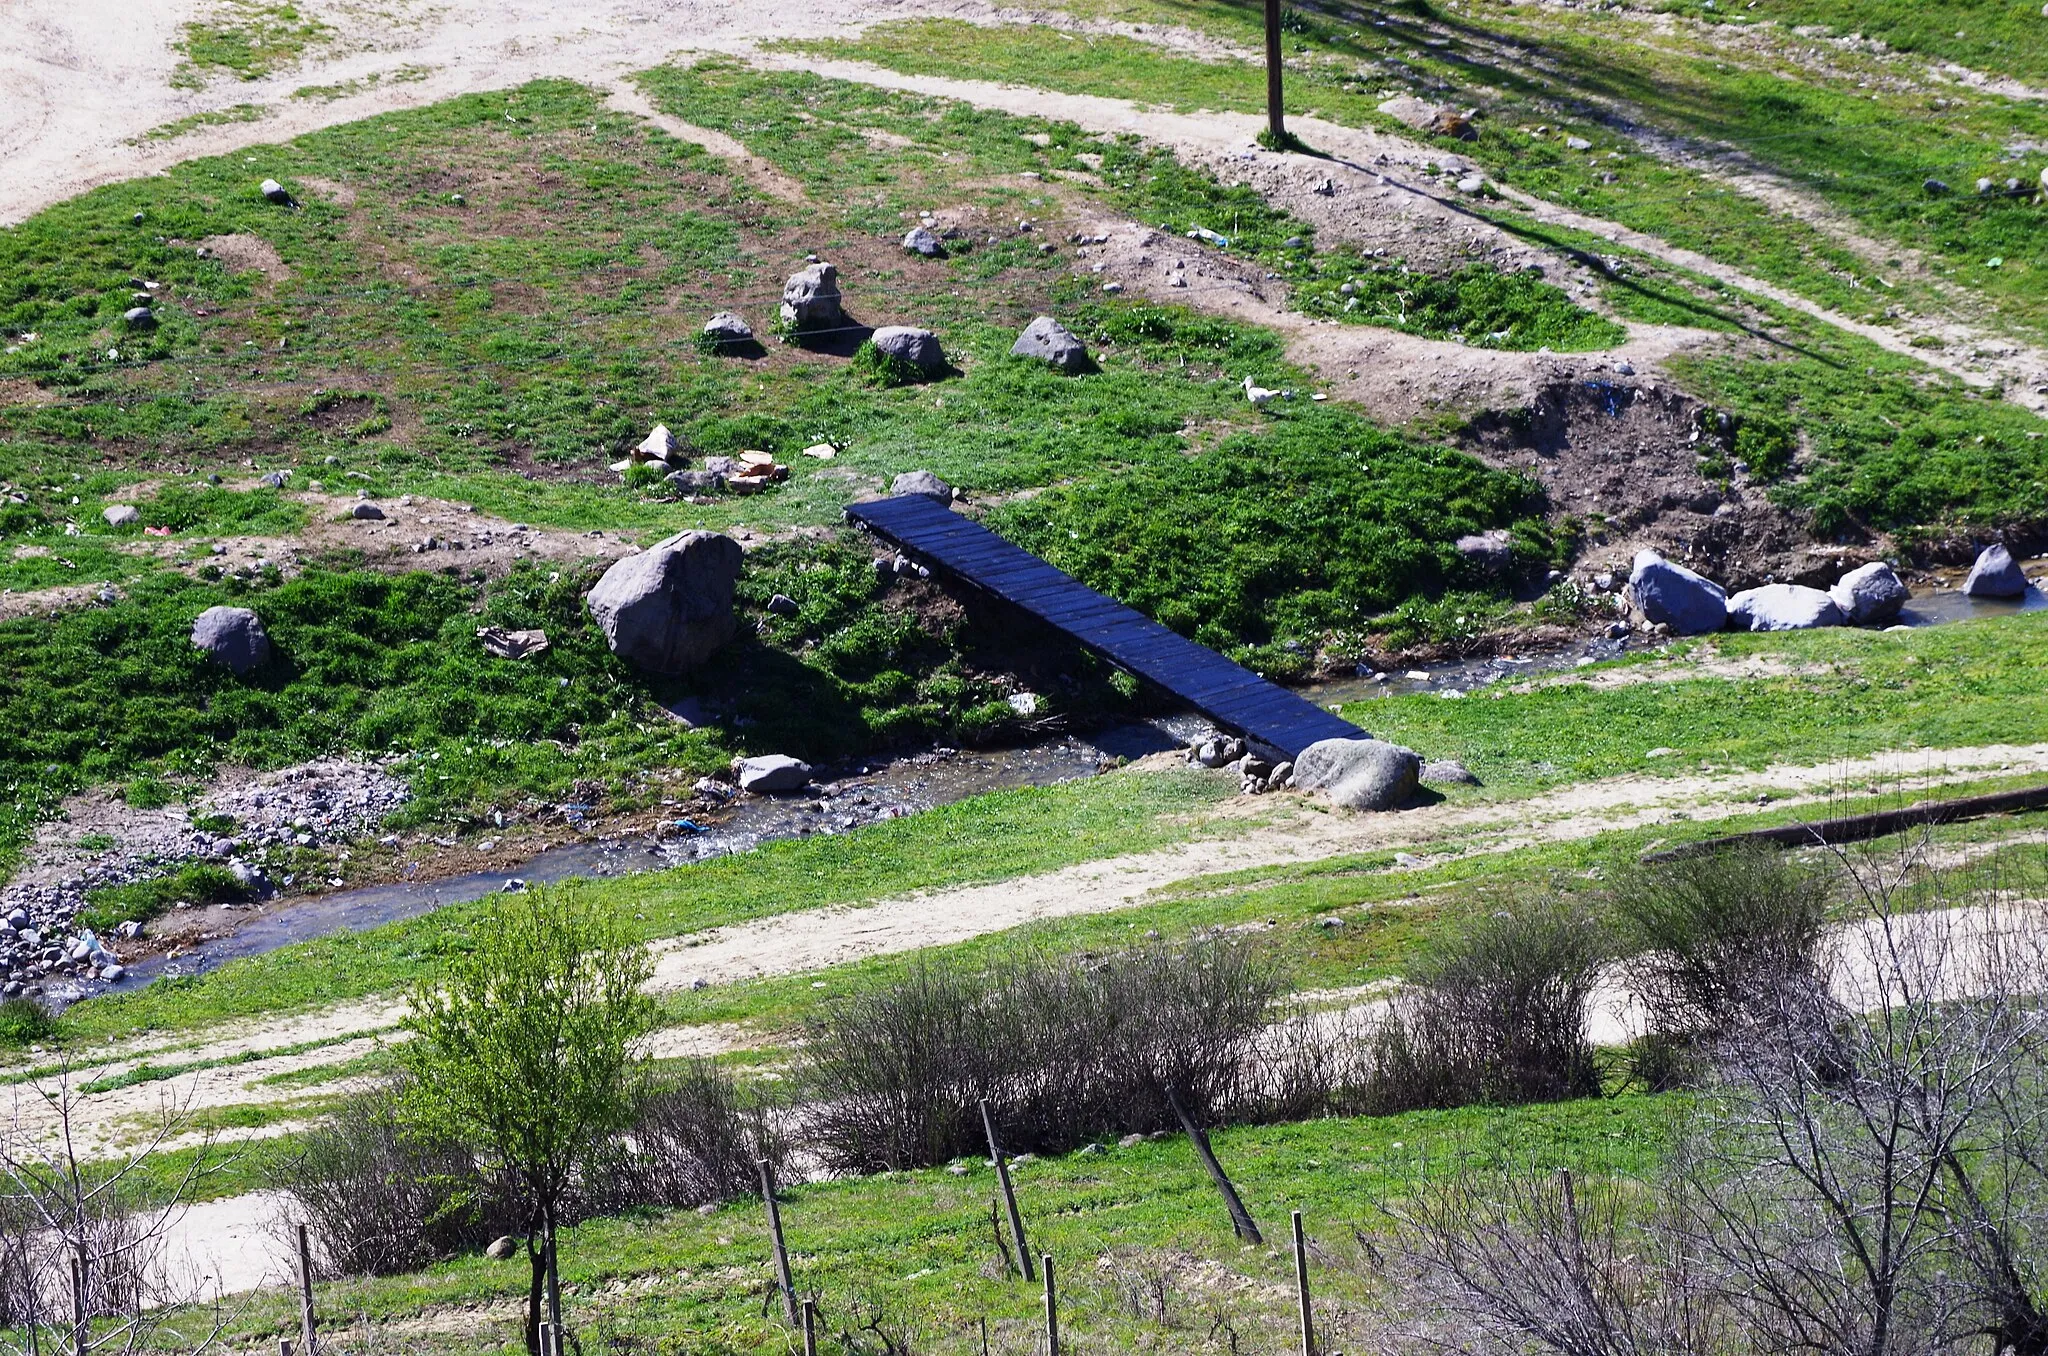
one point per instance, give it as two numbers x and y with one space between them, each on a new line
308 1344
781 1248
810 1328
995 1152
1052 1309
1241 1222
546 1333
284 1346
1308 1317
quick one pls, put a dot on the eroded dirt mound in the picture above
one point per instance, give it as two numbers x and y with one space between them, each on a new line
1642 464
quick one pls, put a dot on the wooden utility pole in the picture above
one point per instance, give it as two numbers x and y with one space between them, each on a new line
781 1248
995 1152
1276 118
1241 1222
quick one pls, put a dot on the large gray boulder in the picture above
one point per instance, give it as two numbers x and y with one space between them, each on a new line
924 483
771 773
906 343
810 299
233 636
1049 341
1359 774
668 608
1869 594
1782 607
1688 603
1995 575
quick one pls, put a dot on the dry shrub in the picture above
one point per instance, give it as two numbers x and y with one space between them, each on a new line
1064 1049
380 1200
1496 1013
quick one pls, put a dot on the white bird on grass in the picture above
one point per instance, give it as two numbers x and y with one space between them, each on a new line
1258 395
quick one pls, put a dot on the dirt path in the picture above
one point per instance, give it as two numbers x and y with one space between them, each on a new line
812 940
1362 160
797 943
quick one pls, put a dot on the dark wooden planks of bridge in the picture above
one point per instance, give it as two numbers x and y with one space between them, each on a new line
1234 697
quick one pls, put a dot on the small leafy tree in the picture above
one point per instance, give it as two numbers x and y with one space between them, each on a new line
524 1050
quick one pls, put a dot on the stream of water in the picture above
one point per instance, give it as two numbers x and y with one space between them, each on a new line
867 793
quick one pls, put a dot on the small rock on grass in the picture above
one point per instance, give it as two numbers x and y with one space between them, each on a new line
921 241
233 636
1049 341
367 512
121 515
277 193
1447 772
907 343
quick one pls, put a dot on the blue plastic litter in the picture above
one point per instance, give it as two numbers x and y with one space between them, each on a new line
692 825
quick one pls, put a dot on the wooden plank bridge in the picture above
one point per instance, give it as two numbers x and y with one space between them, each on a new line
1235 698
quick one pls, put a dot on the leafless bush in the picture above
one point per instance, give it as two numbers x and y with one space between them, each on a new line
83 1263
1063 1048
1497 1013
698 1138
1864 1173
379 1200
1706 935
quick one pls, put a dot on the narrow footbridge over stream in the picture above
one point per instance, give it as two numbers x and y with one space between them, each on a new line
1234 697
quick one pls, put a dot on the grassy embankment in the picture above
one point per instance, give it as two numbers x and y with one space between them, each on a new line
427 330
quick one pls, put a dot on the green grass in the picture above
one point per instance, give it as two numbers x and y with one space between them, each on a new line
1865 150
245 38
1995 36
194 883
1851 693
1477 304
220 117
919 1244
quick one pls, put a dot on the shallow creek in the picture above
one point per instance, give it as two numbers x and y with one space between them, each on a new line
866 793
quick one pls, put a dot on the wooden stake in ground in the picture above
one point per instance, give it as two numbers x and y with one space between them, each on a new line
781 1248
1052 1310
308 1345
810 1328
1308 1317
1241 1222
995 1152
1276 118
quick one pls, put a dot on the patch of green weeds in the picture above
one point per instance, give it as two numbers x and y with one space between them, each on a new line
1316 523
195 883
23 1021
214 117
1478 305
1850 694
246 38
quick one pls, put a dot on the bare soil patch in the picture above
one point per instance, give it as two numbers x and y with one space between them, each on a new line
247 254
